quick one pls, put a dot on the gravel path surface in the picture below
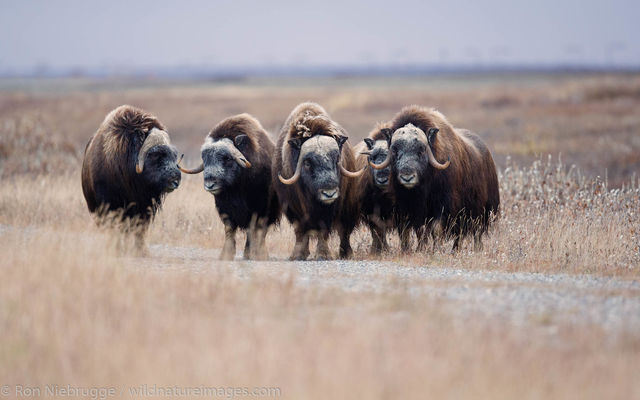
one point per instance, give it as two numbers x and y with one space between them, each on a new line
517 298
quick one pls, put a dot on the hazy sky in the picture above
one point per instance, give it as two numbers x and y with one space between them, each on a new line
62 34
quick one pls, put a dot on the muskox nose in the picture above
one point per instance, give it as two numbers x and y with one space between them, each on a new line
382 177
212 185
408 178
173 183
328 196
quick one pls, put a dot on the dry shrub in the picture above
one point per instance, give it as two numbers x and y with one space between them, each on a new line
552 219
28 146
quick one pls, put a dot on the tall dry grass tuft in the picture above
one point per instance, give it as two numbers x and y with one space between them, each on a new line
561 220
28 145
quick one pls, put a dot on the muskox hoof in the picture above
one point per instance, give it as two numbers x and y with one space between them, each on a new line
259 256
141 252
226 257
377 249
344 254
323 257
297 257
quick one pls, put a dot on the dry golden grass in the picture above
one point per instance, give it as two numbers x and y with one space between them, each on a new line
552 220
73 311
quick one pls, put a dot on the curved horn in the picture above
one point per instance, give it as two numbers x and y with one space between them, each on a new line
350 174
154 138
239 157
434 163
196 170
296 174
384 164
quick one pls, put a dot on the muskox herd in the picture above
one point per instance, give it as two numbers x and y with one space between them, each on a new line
413 174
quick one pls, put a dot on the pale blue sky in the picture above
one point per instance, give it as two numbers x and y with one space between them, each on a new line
133 34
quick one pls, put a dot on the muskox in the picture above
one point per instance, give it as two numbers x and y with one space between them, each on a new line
236 160
372 188
129 165
312 156
441 177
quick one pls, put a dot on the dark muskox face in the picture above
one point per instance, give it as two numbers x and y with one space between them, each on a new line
161 168
223 163
319 169
409 159
378 152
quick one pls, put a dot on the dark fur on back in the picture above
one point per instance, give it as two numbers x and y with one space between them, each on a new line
253 193
305 121
109 178
466 191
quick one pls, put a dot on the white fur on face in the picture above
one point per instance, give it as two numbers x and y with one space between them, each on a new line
409 132
154 138
380 144
319 144
209 143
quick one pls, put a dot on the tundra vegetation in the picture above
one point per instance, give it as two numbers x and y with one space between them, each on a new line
73 310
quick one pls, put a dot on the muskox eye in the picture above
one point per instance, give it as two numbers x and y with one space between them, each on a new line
307 164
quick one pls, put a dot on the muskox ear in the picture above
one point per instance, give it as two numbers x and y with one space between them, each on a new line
387 133
431 135
341 139
295 143
370 143
241 141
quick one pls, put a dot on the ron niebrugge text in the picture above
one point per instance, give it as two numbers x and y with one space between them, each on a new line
93 392
105 392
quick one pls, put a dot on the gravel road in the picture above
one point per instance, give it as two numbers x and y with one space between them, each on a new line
516 298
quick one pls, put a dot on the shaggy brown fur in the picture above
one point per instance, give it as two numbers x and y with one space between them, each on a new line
250 204
461 197
375 203
305 121
109 178
260 148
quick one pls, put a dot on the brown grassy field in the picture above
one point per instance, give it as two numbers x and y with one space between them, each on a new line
74 311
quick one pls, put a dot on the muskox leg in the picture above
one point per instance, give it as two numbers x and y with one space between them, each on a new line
251 232
436 239
229 248
422 234
477 241
456 243
141 248
345 243
301 248
139 234
261 248
378 238
254 248
405 239
322 250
